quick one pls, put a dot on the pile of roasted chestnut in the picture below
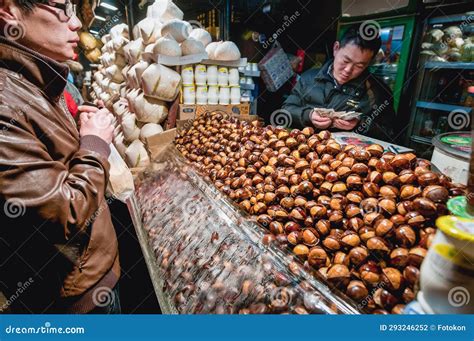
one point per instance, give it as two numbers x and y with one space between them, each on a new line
358 217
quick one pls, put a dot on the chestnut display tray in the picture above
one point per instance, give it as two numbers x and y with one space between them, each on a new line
180 216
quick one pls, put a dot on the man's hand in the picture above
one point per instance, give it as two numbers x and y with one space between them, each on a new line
319 121
345 125
98 123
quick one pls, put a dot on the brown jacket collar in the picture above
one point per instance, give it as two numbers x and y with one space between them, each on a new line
47 74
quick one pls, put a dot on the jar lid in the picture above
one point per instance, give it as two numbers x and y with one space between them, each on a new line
458 207
457 144
457 227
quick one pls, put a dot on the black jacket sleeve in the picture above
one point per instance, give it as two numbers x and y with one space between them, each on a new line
296 105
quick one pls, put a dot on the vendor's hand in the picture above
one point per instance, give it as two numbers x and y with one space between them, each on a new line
98 124
345 125
100 103
319 121
87 108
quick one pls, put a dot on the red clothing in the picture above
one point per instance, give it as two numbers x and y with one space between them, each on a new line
71 105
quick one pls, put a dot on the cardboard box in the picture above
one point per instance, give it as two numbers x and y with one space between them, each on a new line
156 143
187 112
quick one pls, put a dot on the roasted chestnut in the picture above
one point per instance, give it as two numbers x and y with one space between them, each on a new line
378 245
393 279
416 256
399 257
358 255
370 273
338 275
405 236
301 251
317 257
357 290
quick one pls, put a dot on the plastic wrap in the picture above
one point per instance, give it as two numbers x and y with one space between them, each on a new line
204 256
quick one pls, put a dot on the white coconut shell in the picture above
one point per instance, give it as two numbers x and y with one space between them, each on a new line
136 155
177 29
161 82
202 35
150 110
192 46
227 51
211 49
168 47
149 130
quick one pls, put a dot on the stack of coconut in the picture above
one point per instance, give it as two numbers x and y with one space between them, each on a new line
135 87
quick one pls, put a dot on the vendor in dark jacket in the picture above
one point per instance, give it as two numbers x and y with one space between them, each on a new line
345 84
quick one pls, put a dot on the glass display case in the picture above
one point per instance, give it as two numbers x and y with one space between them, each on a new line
204 256
445 71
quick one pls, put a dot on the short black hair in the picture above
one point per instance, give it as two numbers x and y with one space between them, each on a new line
365 35
27 5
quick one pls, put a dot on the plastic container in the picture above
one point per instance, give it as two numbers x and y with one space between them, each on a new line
235 95
451 154
212 75
208 262
233 77
213 95
187 74
201 94
447 273
224 95
223 76
200 74
189 94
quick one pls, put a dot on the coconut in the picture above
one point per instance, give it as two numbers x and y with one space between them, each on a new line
168 47
136 155
202 35
227 51
192 46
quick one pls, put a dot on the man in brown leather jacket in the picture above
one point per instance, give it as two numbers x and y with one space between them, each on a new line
57 241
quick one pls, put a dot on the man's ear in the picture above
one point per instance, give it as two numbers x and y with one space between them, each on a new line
9 13
10 20
336 47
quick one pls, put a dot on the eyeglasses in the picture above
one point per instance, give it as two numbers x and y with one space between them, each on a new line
68 7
